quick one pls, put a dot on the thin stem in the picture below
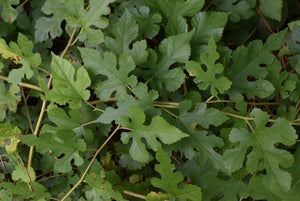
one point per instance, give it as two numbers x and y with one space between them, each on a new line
22 84
23 3
134 194
264 19
172 114
41 69
50 177
251 128
30 180
77 37
147 82
209 99
94 107
43 109
27 112
91 162
95 102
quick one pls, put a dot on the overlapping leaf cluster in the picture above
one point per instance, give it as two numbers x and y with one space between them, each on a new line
154 100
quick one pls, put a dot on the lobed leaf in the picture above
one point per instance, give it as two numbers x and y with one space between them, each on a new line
157 129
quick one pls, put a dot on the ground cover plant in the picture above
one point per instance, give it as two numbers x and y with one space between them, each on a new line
149 100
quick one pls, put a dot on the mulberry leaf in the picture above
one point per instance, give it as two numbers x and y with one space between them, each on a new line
271 8
241 9
117 76
51 25
208 24
8 12
157 129
62 142
200 142
67 88
77 16
246 65
173 49
126 31
20 53
20 173
146 99
280 80
212 77
170 182
148 22
264 154
9 98
7 132
175 11
101 188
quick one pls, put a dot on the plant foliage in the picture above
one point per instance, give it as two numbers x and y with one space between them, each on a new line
184 100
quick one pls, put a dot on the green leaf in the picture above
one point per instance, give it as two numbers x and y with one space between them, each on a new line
146 102
20 53
246 65
8 12
72 120
271 8
170 181
175 11
223 189
294 192
101 188
23 191
264 154
200 142
157 129
66 87
239 9
126 31
9 98
7 132
77 16
46 26
212 77
280 80
174 49
208 24
21 173
259 191
62 142
148 22
117 76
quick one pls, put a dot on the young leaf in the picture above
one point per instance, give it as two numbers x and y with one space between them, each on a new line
208 24
271 8
246 63
46 26
77 16
158 128
8 12
61 142
173 49
212 76
170 180
148 23
66 87
106 64
126 31
8 99
264 154
20 53
101 188
20 173
8 132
